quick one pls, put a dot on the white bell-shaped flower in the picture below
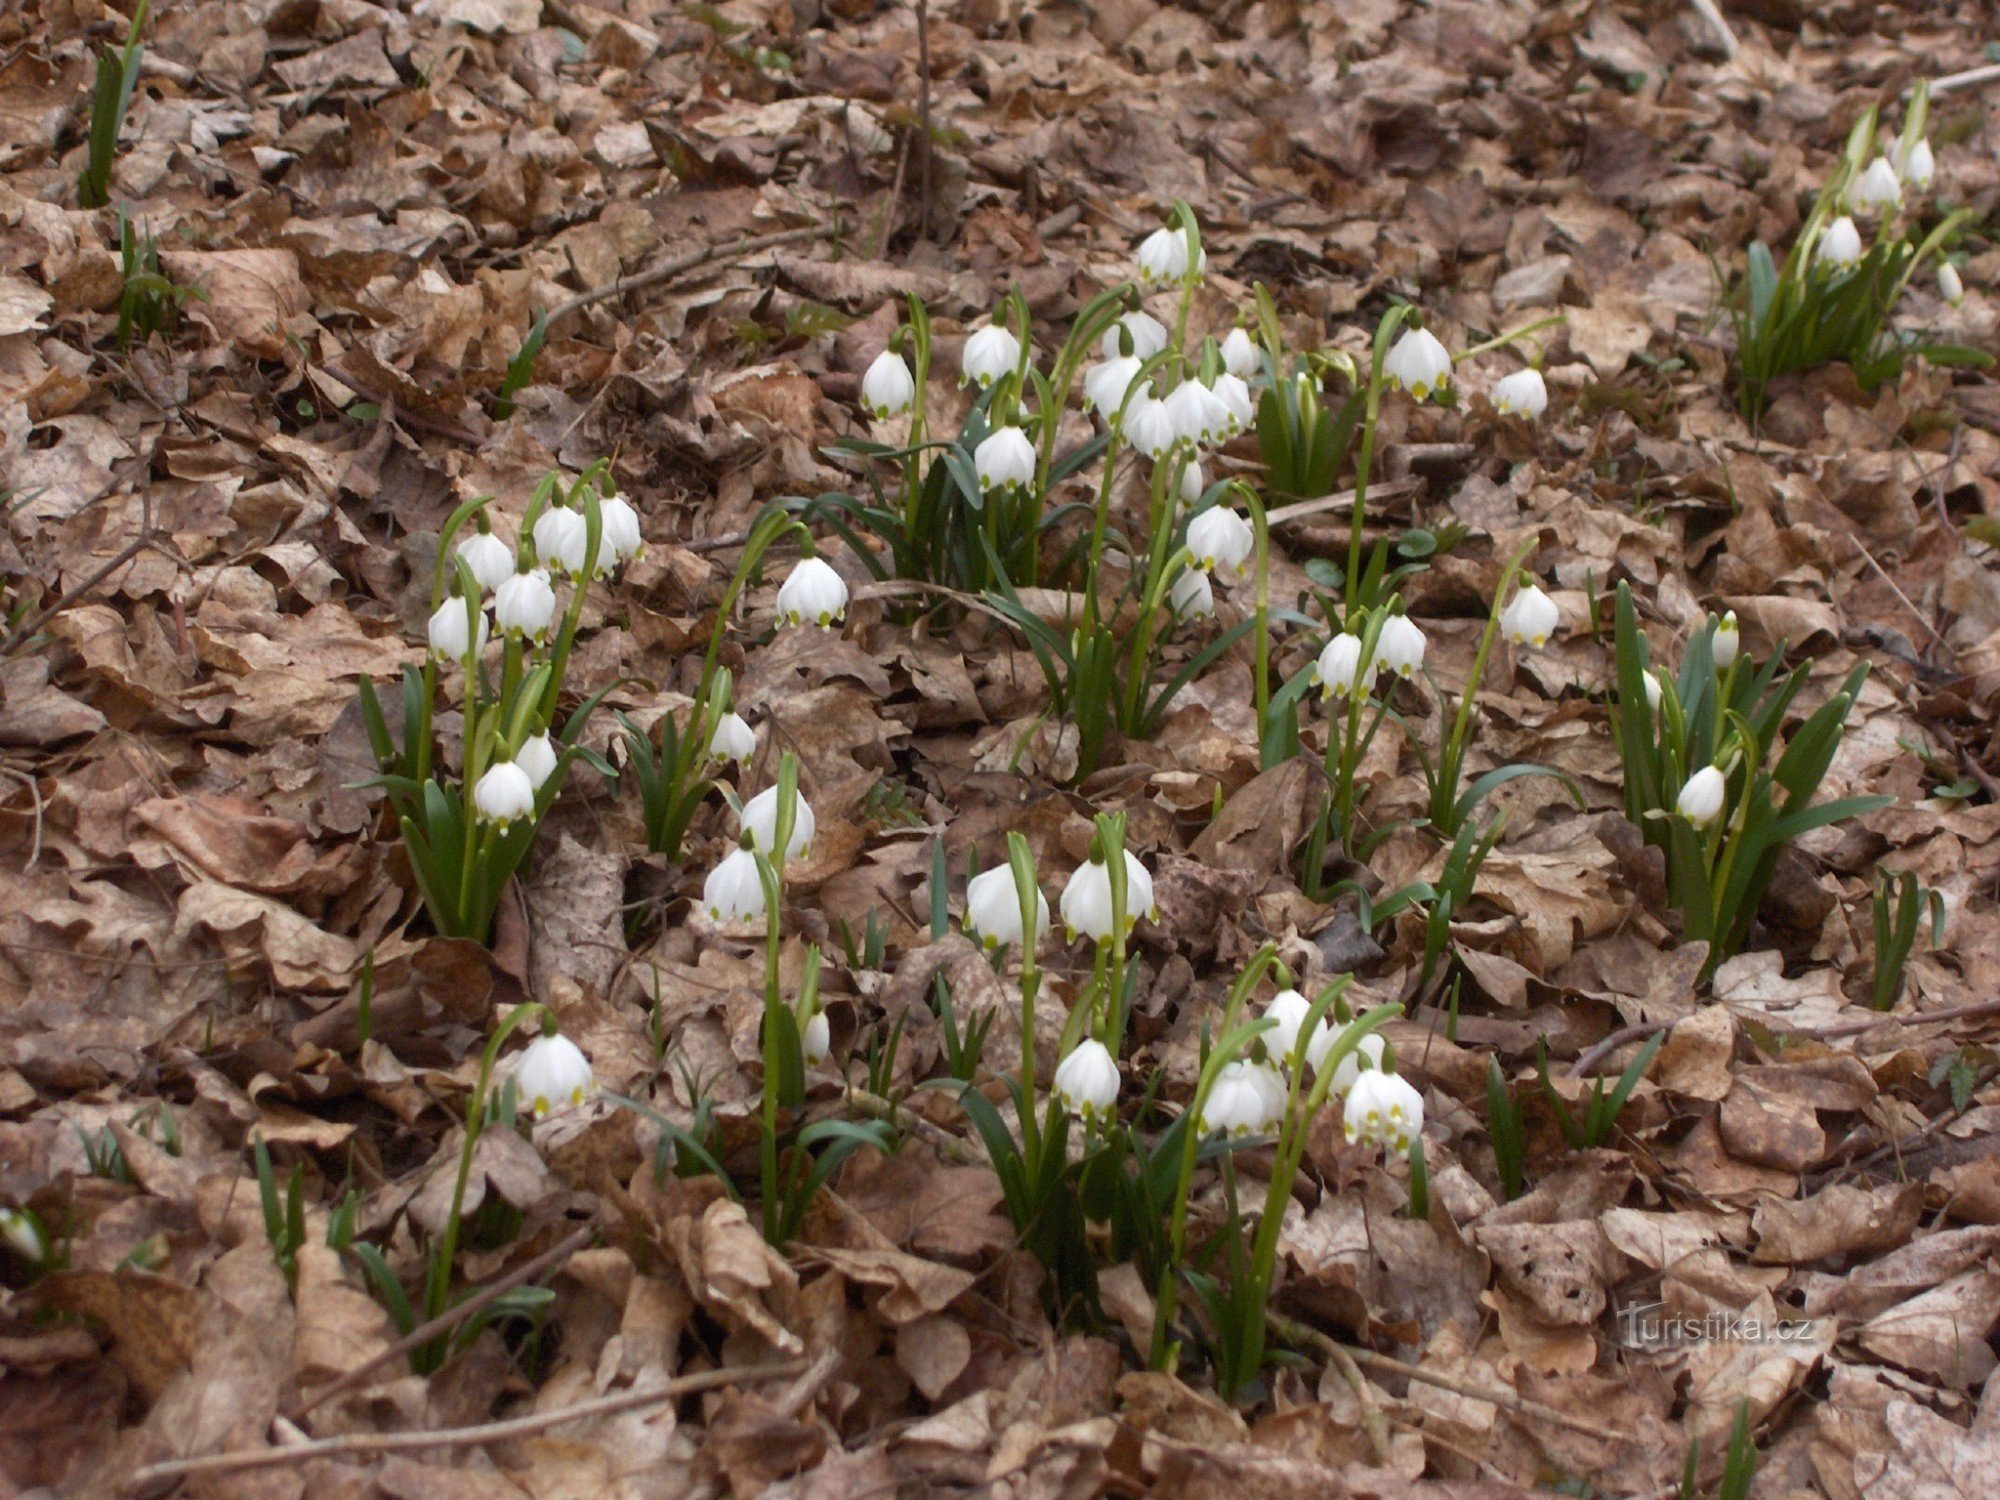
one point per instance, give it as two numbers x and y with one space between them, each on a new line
734 892
1220 538
1288 1008
812 593
733 739
1005 461
1194 483
1652 685
816 1039
491 560
1148 333
1349 1068
1951 286
887 387
760 821
618 536
1418 363
1384 1109
1702 796
1728 642
1839 245
991 352
1192 596
560 538
1197 416
993 908
1104 385
1522 394
1234 394
1247 1098
1086 1082
1877 190
1339 670
1400 646
20 1233
1086 900
1148 426
525 604
1239 354
1163 257
450 634
1530 617
553 1074
538 757
1918 166
503 794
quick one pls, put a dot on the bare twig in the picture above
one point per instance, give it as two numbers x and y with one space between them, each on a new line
1970 78
1725 38
28 629
1592 1056
667 270
460 1437
1890 1018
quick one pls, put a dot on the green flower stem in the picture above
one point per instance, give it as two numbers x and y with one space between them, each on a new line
1022 863
1385 331
770 874
1512 335
1451 754
1261 687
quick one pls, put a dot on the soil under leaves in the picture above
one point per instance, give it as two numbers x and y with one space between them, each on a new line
375 200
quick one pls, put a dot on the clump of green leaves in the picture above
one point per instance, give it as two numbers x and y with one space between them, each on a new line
1900 903
117 76
151 302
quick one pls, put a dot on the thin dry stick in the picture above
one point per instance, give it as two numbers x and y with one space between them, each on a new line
1970 78
450 1318
1371 1409
460 1437
27 630
1889 1018
1712 13
667 270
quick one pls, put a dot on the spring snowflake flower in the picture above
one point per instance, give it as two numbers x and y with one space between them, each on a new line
450 635
1951 286
1148 333
1530 617
1234 394
1086 1082
1104 385
888 388
21 1234
1918 166
993 908
1192 596
1702 796
1239 354
1839 245
1383 1108
1288 1008
1220 538
1369 1047
525 604
1728 643
618 529
491 560
1197 415
760 821
1163 256
1149 428
734 892
503 794
816 1039
537 756
554 1074
1086 900
1194 483
1418 363
1005 461
561 535
812 592
1652 684
733 739
1400 646
990 353
1877 190
1247 1098
1339 671
1522 394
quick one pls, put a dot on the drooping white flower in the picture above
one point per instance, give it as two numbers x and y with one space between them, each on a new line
1652 684
1197 415
1234 394
816 1039
1951 286
1338 670
1702 796
618 534
1288 1008
1004 460
733 891
1148 427
1876 190
553 1074
449 633
1220 538
1418 363
1194 483
1192 596
1839 245
760 821
537 756
504 793
1247 1098
1086 900
812 592
1918 166
993 908
1086 1082
1104 385
491 560
991 352
1383 1108
733 739
1349 1069
561 535
1522 394
1239 354
887 387
1163 256
1400 646
1728 642
1149 336
20 1233
1530 617
525 604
